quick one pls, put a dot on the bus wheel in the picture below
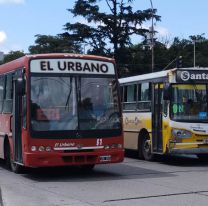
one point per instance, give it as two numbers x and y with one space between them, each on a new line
16 168
10 163
146 148
7 155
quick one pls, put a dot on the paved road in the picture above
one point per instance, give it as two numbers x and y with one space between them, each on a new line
168 181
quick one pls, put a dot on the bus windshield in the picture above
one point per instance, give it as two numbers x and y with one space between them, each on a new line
74 103
189 102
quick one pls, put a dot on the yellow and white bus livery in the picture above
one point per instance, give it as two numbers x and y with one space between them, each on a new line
166 112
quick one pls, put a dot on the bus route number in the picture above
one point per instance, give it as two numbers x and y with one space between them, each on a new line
99 142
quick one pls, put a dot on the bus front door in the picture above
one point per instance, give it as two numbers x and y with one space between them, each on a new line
17 117
157 119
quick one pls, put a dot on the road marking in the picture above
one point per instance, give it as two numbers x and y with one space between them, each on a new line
155 196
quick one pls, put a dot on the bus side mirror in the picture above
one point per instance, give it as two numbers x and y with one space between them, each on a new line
20 86
167 92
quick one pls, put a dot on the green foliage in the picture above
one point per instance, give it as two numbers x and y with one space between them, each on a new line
106 32
12 55
53 44
136 59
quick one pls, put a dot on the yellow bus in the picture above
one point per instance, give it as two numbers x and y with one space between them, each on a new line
166 112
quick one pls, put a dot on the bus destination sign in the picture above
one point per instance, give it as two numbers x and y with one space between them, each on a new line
198 76
74 66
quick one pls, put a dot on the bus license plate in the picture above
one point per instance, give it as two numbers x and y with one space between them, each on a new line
105 158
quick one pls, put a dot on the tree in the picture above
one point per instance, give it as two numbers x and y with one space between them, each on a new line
136 59
53 44
107 33
201 50
12 55
185 48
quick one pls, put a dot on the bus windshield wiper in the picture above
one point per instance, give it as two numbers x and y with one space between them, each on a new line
70 91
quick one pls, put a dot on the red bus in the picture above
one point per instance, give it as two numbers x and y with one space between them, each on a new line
58 110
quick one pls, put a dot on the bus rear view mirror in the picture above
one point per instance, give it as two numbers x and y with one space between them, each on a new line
167 92
20 86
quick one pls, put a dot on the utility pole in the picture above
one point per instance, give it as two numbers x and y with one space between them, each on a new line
195 40
152 37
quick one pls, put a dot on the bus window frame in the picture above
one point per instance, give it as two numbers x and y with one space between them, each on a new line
171 102
138 94
3 93
72 134
5 100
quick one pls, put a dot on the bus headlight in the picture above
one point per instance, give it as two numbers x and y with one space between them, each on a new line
41 148
113 146
33 148
106 147
181 133
48 149
120 146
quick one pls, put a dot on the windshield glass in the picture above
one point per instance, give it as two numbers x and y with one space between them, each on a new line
189 102
74 103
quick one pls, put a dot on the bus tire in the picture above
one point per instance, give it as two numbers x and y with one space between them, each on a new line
146 148
16 168
140 153
7 154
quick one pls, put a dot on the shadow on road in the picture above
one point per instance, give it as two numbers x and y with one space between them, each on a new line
119 171
183 160
175 160
99 173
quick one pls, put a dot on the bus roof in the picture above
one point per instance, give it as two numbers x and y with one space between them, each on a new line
72 55
21 62
142 77
155 75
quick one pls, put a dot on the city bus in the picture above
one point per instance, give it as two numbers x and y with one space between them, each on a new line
166 112
60 110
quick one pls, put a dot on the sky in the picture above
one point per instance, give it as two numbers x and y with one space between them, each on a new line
21 20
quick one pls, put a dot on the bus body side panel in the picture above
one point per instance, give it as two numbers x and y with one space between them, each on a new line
2 147
166 133
5 129
131 131
131 140
133 123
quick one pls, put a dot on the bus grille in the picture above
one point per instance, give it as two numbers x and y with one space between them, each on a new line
86 159
75 151
201 136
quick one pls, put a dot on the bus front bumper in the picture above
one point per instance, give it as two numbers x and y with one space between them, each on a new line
188 147
76 158
188 150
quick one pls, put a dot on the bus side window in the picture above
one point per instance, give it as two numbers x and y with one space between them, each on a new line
144 102
1 92
129 101
7 105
